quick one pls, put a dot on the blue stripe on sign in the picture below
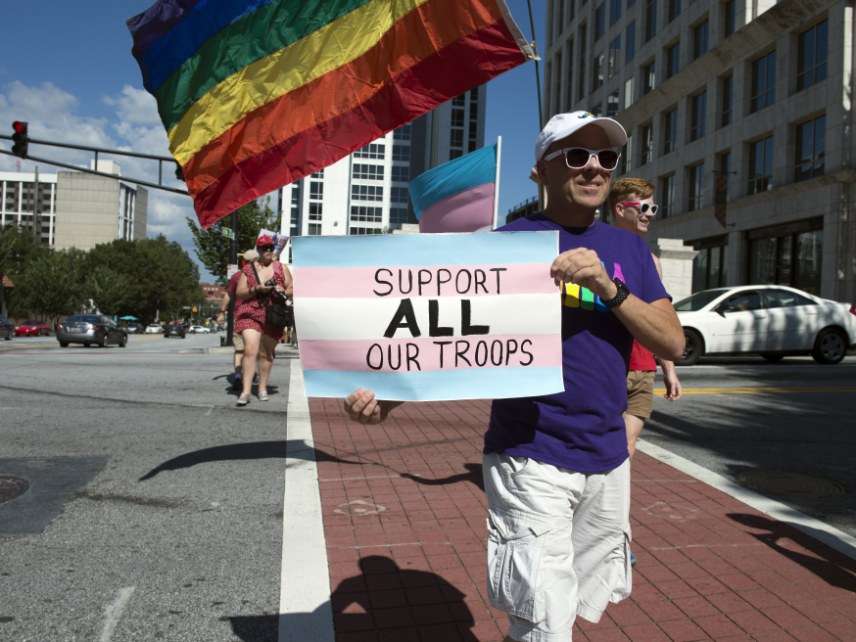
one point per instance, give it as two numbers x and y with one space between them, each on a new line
204 21
425 249
453 177
438 385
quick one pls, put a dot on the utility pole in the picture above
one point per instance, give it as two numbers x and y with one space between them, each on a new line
233 260
37 227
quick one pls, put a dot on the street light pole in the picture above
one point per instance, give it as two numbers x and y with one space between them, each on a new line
233 260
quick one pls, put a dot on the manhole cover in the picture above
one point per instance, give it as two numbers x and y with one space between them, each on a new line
12 487
776 482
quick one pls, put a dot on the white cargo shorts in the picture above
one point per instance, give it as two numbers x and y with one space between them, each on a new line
558 544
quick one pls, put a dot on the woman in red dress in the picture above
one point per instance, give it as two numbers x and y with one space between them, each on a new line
258 281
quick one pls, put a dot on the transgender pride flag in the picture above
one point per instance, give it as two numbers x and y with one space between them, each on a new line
460 195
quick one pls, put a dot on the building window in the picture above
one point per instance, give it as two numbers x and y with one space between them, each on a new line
672 58
316 190
811 148
695 183
599 22
667 194
366 214
788 255
811 59
698 115
612 104
614 11
403 133
648 77
560 18
596 110
612 59
670 130
709 265
314 229
372 150
361 231
399 195
650 19
646 152
700 39
630 42
729 17
367 192
400 173
401 153
398 216
726 99
628 92
761 165
722 176
557 96
597 71
371 172
763 92
316 211
674 9
626 155
569 79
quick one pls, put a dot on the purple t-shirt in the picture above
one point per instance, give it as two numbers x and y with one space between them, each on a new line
582 428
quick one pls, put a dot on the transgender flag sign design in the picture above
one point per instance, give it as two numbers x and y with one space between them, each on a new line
427 316
457 196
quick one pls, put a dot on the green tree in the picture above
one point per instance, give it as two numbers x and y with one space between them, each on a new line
212 247
51 286
18 250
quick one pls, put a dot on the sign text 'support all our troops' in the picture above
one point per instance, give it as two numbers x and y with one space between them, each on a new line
413 317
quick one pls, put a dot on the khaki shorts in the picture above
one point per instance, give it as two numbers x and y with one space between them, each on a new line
558 544
640 393
238 342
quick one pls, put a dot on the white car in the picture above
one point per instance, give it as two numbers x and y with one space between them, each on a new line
199 329
153 328
770 320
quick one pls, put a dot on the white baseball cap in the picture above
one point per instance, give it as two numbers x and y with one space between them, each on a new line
562 125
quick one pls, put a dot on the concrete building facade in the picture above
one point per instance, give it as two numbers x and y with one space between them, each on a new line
75 209
741 115
367 191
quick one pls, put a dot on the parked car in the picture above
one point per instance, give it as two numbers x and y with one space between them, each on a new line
134 328
153 328
199 329
174 329
770 320
7 328
90 328
33 328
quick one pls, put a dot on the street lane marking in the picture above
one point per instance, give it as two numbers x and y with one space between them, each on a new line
114 611
829 535
304 606
759 390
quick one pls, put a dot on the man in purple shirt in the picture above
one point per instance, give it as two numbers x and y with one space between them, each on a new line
556 468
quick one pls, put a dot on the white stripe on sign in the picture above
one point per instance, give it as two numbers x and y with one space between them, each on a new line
304 605
333 318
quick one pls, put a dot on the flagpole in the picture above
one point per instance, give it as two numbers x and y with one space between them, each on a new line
496 188
537 68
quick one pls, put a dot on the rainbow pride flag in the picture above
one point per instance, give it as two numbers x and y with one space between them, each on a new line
256 94
459 195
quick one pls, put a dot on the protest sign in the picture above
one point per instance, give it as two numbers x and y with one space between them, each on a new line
429 316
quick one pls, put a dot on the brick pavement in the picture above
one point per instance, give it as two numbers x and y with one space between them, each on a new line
404 520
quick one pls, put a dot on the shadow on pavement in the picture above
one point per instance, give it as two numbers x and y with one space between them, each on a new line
473 475
835 568
254 628
248 451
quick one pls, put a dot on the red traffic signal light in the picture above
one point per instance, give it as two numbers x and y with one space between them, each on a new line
20 138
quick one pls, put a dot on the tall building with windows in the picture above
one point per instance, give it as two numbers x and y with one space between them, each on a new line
75 209
740 113
367 191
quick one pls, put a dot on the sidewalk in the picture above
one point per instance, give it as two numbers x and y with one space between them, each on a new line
404 523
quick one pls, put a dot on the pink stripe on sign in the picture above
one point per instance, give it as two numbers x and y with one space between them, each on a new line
464 212
426 354
451 280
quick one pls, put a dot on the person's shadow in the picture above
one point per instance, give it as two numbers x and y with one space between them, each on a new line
399 601
837 569
473 475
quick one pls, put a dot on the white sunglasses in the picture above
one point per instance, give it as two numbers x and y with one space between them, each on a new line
579 157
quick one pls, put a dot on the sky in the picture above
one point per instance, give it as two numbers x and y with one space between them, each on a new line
67 69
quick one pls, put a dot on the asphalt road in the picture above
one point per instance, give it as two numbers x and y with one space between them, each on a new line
155 506
787 430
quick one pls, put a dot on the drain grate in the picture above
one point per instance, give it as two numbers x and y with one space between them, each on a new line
778 482
12 487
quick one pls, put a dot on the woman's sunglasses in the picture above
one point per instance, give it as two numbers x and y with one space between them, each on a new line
265 248
579 157
643 207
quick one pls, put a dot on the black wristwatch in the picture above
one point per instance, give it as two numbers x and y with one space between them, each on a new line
621 294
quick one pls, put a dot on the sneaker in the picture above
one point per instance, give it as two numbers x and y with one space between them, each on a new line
242 401
263 395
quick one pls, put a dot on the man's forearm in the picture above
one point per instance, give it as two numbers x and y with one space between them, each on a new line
654 325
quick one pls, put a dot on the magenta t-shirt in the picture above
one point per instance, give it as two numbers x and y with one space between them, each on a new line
581 428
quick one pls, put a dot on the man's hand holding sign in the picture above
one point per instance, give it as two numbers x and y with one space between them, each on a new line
413 319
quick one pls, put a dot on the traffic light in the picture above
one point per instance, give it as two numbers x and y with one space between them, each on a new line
20 139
